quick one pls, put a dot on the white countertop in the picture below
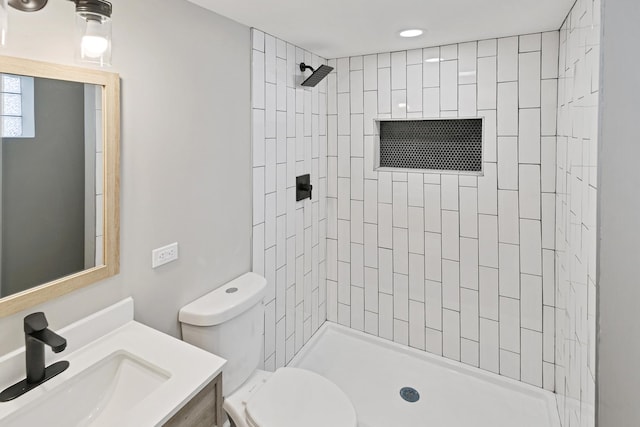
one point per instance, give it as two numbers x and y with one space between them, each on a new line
189 369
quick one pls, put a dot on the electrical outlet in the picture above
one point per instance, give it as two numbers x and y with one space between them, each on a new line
164 255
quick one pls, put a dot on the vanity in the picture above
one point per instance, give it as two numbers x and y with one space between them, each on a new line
121 373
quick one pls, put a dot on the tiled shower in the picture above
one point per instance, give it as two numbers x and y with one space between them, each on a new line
452 264
289 237
495 271
576 205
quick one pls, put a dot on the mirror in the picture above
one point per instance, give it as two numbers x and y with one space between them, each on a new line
50 185
59 186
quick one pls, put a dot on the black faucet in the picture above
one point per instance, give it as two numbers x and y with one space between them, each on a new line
36 335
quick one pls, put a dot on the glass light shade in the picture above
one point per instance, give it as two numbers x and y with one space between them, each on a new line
4 20
93 33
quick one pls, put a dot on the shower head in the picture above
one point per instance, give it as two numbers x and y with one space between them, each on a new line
317 76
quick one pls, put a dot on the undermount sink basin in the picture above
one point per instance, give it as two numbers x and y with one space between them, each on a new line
121 374
95 397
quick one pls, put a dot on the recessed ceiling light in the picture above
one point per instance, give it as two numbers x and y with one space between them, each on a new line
411 33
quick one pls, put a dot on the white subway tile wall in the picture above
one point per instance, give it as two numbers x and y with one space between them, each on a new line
575 208
289 128
451 264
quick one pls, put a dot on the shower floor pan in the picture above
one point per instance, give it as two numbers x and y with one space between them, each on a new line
372 371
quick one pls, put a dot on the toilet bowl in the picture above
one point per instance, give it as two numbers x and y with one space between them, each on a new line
229 322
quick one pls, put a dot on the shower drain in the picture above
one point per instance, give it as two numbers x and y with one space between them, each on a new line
409 394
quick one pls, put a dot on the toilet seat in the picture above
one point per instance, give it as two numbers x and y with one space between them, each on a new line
296 397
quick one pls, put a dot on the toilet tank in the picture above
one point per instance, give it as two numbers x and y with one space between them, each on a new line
229 322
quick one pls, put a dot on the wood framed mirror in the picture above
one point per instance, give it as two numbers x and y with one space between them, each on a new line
59 180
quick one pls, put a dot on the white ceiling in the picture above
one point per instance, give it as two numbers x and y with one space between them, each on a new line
338 28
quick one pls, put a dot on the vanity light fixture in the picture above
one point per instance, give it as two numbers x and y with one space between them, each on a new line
28 5
93 26
93 31
4 15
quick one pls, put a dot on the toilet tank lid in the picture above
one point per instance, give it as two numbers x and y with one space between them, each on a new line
226 302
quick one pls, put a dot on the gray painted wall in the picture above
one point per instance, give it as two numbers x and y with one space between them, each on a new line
186 160
43 191
618 376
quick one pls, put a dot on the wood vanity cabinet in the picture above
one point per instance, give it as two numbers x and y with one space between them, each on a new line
204 410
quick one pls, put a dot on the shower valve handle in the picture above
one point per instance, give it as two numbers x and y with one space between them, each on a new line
306 188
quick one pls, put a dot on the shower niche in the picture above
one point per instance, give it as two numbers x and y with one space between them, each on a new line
429 145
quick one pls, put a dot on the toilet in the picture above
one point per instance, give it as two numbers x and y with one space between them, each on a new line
229 322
